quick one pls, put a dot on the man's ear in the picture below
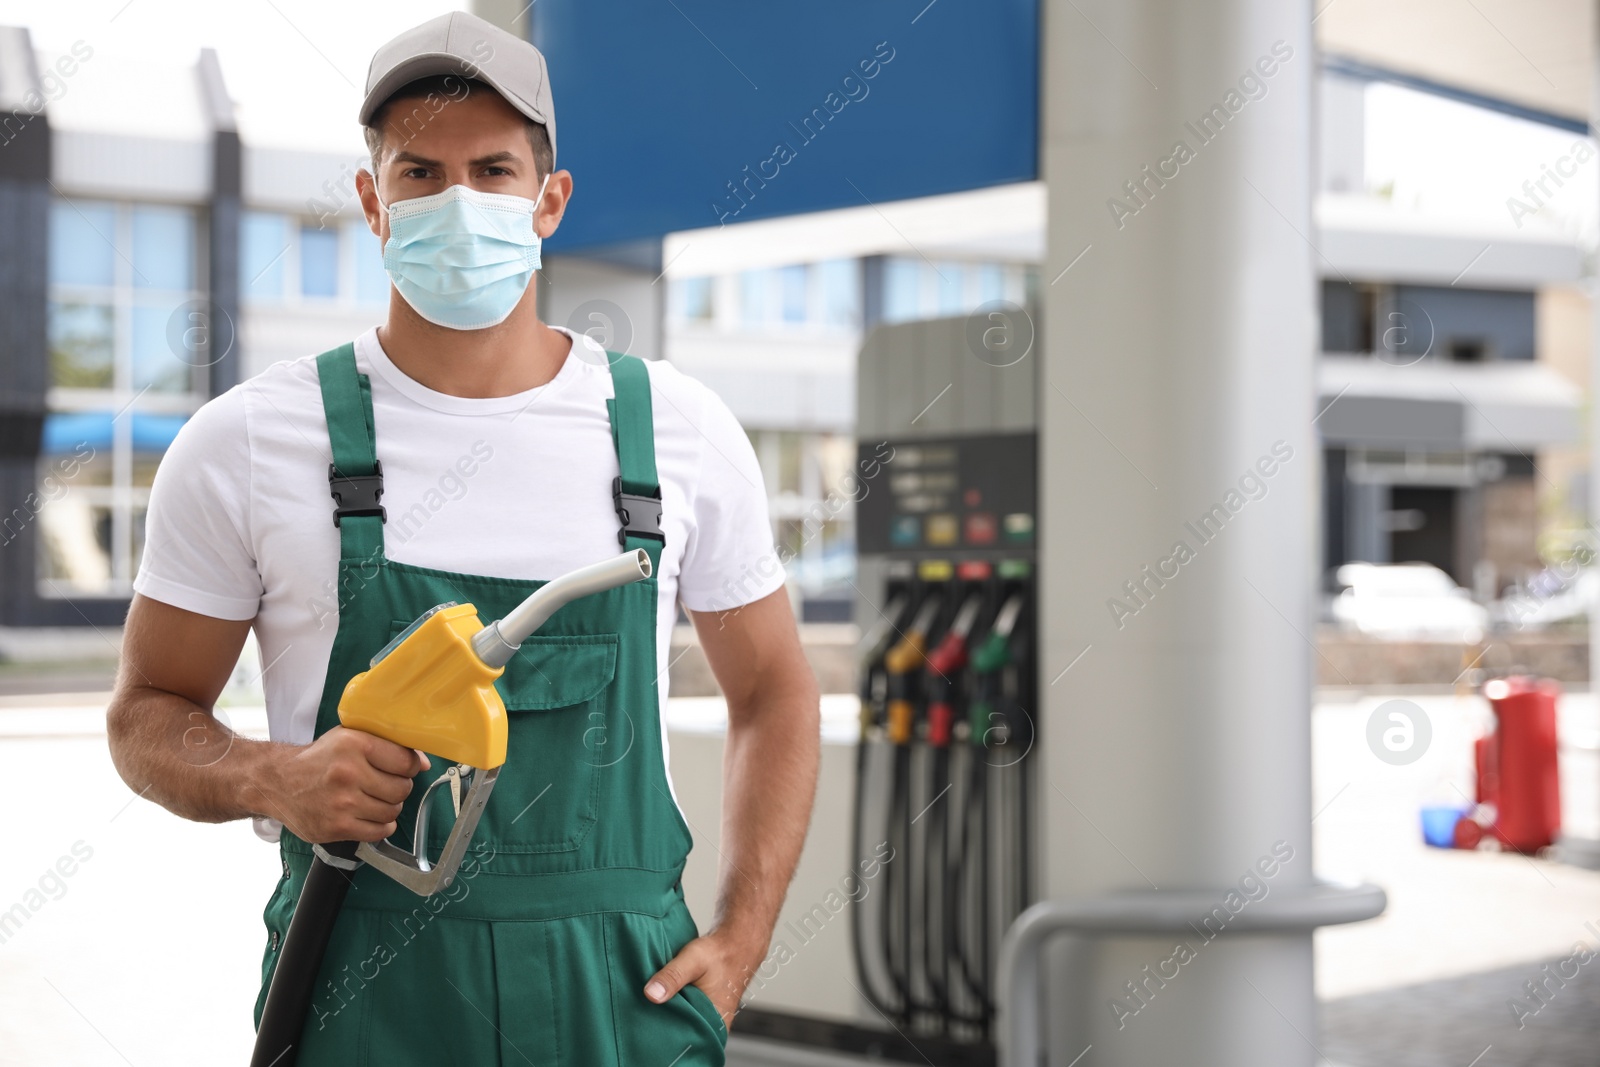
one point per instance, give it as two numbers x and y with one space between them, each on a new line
367 192
557 192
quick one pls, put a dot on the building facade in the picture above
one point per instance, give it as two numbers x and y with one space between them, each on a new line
152 262
1447 400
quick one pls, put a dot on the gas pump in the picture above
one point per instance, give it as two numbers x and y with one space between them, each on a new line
949 535
935 865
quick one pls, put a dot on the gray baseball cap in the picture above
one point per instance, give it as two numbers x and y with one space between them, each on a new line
463 44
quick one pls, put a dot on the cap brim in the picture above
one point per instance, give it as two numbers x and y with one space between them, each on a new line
430 64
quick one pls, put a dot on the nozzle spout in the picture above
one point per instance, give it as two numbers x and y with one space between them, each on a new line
496 643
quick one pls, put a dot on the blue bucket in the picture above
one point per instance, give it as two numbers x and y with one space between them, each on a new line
1439 825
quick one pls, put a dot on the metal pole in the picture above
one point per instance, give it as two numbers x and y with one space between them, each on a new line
1174 913
1178 398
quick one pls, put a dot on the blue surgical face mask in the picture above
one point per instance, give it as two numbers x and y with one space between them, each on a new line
461 258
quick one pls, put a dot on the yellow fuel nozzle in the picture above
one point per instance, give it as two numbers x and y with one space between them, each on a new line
908 655
428 689
432 688
899 727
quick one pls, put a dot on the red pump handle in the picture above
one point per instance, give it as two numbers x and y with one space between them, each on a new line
940 719
949 654
948 657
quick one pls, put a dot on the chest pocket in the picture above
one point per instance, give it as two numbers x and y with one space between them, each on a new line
563 732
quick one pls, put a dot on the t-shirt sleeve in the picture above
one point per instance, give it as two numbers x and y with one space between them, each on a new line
729 559
197 549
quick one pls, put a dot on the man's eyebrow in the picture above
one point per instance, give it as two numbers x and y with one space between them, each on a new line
498 157
412 157
481 161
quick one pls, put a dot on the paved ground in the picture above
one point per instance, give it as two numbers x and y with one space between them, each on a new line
141 940
1465 1020
148 952
1428 983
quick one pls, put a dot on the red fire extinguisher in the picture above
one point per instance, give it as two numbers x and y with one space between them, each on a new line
1517 768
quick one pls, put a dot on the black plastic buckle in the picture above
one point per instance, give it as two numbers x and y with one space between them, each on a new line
357 495
640 515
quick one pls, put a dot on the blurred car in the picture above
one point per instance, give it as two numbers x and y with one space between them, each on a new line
1547 599
1407 600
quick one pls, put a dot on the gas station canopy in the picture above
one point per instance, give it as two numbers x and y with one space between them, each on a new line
865 105
696 113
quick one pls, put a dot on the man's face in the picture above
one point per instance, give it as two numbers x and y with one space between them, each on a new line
477 140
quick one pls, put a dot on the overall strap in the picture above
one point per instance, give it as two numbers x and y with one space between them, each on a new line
637 491
355 477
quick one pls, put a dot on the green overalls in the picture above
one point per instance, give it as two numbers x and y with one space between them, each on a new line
570 898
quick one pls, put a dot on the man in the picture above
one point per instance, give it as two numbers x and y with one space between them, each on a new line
503 449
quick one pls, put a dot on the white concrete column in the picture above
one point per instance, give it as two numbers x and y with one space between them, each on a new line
1178 326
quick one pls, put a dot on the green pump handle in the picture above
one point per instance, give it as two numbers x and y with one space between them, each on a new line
988 659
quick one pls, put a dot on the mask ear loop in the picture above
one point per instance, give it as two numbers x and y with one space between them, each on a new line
378 195
538 200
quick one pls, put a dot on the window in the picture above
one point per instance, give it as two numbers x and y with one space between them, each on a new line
163 248
791 451
991 283
82 338
82 249
1348 311
811 487
902 290
917 289
319 262
951 280
286 259
159 362
1468 325
694 299
263 243
797 298
124 286
755 289
792 283
839 281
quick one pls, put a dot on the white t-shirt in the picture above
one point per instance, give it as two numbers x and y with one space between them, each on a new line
240 524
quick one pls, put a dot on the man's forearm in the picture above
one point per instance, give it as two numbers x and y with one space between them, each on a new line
769 782
177 754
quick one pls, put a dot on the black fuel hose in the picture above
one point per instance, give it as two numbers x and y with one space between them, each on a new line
953 863
936 950
887 1004
873 958
294 978
968 860
897 888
